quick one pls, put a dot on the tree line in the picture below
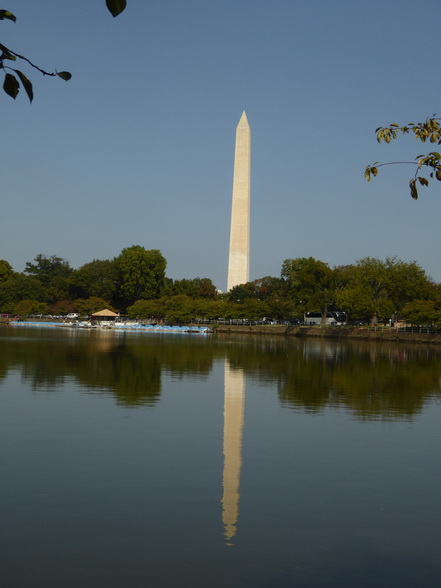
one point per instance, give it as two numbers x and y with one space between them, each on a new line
134 283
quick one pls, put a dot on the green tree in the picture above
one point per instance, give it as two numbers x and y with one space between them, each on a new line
367 292
274 292
309 283
254 309
141 274
46 269
375 289
176 287
179 309
61 307
6 270
195 288
53 272
204 307
206 288
58 289
282 308
147 309
96 278
14 77
422 312
429 130
20 287
27 307
85 306
270 288
242 292
407 281
216 309
348 292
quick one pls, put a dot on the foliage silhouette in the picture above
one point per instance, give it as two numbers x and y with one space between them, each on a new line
13 78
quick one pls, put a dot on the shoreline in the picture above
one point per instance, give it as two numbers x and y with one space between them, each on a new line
335 333
339 333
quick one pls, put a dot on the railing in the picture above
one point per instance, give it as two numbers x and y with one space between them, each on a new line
241 322
378 328
431 330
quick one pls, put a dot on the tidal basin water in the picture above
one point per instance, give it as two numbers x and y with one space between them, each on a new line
137 460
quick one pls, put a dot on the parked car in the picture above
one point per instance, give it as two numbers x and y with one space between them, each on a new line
295 321
72 315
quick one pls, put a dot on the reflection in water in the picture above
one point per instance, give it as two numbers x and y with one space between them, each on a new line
101 490
234 405
382 381
373 381
128 366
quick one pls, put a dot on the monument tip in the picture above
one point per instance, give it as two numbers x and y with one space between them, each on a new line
243 121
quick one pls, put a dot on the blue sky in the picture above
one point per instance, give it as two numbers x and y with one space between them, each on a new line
138 147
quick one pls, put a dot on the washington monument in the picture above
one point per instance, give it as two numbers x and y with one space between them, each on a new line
239 258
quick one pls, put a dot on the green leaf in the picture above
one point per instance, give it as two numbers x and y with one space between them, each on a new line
26 84
64 75
413 190
374 171
8 55
116 6
438 175
6 14
10 85
423 181
367 174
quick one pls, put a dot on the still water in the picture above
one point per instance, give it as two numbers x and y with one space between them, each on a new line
138 460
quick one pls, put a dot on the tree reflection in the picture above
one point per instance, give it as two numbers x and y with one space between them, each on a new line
373 380
126 365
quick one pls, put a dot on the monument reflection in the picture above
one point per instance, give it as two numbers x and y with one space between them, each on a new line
234 405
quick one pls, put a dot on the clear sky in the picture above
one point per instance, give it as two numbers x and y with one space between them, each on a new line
137 149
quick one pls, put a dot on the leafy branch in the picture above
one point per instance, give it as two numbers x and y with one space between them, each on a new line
429 130
13 77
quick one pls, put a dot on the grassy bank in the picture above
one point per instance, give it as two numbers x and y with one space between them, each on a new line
361 333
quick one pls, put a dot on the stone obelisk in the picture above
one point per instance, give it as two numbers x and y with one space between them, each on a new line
239 258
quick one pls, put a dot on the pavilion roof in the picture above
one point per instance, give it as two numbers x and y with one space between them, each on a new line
105 312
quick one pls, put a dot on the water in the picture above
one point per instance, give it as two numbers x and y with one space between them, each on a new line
141 460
